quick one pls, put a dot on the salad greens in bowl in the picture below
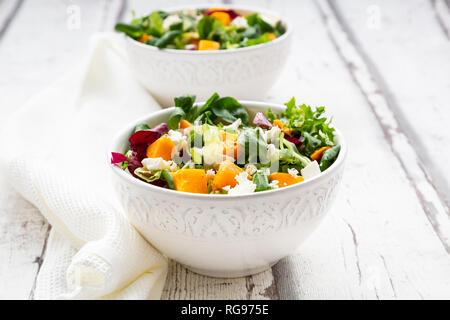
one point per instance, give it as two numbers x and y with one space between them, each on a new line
228 187
195 49
203 29
217 149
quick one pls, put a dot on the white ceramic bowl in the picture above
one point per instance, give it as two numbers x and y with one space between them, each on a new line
242 73
222 235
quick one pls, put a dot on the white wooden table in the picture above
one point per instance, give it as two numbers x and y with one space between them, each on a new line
383 70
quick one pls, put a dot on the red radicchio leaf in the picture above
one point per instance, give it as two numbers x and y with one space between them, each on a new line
294 140
162 128
260 120
160 183
140 140
118 158
233 14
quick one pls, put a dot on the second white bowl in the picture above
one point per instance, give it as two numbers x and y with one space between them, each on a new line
243 73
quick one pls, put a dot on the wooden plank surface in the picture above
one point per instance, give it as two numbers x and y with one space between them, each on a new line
387 235
378 241
37 47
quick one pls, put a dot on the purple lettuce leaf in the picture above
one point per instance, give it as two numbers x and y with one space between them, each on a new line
133 162
140 140
260 120
294 140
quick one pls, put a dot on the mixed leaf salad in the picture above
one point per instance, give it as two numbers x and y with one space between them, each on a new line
215 149
203 29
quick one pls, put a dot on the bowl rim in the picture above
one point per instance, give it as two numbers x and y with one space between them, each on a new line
246 103
282 38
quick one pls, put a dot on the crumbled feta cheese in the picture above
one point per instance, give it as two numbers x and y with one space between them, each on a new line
178 139
190 46
293 172
244 185
274 184
235 125
311 170
240 22
273 134
270 19
175 136
170 20
159 164
210 172
250 168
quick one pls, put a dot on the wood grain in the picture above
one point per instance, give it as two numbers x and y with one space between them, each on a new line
387 234
376 239
8 10
405 142
28 65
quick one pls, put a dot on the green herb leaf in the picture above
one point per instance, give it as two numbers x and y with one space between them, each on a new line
262 182
156 24
167 38
165 174
310 144
204 27
130 30
184 109
141 126
329 157
229 109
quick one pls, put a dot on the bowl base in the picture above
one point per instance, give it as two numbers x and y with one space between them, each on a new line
230 274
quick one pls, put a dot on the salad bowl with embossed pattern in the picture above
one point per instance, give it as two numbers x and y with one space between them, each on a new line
199 49
228 187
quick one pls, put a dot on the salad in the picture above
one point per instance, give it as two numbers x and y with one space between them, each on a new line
203 29
216 149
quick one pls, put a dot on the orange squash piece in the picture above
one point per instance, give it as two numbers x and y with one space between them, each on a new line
285 179
222 16
185 124
213 9
271 36
317 155
231 147
190 180
208 45
144 38
225 176
161 148
282 125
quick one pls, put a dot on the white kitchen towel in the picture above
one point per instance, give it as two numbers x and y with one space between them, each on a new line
55 155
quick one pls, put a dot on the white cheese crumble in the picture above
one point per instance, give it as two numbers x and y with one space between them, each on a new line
274 184
293 172
235 125
239 22
311 170
210 172
244 185
270 19
159 164
178 139
250 168
170 20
